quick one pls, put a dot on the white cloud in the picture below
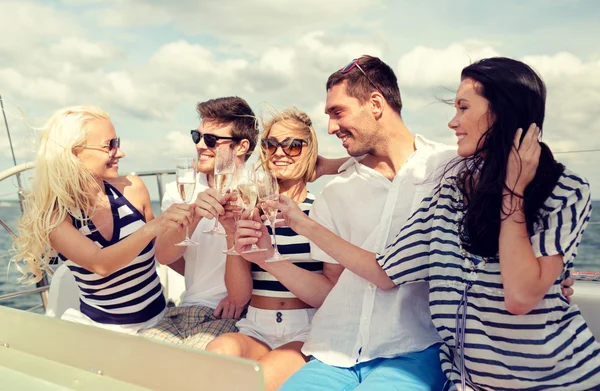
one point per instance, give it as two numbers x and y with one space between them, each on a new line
148 62
425 67
278 60
236 21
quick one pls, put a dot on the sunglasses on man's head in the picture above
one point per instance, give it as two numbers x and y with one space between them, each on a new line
354 64
291 147
113 146
209 139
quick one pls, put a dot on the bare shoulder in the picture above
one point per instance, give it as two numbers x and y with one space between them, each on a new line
128 183
133 188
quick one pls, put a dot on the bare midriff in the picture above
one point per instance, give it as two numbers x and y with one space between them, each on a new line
277 303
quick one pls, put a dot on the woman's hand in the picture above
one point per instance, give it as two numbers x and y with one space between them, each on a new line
232 211
177 216
250 231
523 160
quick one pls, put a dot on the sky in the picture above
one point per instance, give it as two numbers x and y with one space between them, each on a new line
149 62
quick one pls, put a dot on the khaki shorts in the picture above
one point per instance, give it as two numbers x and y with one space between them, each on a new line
193 326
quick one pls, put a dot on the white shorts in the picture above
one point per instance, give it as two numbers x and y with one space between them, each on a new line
277 327
73 315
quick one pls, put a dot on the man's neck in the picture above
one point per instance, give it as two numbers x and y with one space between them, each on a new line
210 180
397 145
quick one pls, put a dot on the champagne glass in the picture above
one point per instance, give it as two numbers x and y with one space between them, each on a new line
185 177
268 190
248 194
224 169
237 202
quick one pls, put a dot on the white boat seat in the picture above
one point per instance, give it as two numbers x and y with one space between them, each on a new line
63 293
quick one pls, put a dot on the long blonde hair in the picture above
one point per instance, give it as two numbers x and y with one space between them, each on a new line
61 188
297 121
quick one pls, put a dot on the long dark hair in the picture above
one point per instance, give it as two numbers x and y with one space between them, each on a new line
517 98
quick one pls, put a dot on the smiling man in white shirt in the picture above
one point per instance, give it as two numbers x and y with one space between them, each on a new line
205 311
363 337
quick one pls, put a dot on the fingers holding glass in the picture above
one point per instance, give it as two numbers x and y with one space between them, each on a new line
185 178
225 161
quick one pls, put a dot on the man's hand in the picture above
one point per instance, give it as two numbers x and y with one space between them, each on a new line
209 204
228 310
566 285
291 213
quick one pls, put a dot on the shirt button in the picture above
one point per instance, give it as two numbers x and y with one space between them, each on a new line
365 318
371 286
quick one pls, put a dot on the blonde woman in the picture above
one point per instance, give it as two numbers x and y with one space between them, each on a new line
101 224
284 294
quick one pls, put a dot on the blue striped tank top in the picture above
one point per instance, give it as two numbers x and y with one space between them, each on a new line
132 294
293 246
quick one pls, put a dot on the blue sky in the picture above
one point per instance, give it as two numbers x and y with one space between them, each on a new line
149 62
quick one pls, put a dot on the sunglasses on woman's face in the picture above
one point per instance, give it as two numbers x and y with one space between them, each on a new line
113 146
209 139
291 147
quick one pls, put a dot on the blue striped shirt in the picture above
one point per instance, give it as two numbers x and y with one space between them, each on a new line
293 246
550 348
132 294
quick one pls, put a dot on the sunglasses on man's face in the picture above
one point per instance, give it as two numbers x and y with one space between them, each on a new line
354 64
291 147
209 139
112 146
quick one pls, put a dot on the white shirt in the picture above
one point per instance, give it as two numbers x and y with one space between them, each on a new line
205 262
359 322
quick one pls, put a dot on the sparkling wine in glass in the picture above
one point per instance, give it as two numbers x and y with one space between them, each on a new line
248 194
237 202
185 177
268 190
224 168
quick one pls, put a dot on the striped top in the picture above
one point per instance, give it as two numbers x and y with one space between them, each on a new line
132 294
293 246
550 348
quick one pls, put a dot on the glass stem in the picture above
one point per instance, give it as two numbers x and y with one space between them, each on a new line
274 236
214 228
187 234
236 218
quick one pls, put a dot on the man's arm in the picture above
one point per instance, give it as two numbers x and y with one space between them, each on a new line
238 278
178 266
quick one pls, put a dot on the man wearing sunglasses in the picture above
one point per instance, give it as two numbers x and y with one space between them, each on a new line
364 337
205 311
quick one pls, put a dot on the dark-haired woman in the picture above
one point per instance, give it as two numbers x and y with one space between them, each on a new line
494 241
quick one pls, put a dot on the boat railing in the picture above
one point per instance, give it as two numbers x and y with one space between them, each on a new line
43 285
160 175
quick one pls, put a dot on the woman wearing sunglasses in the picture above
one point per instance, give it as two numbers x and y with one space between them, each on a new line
284 294
101 224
